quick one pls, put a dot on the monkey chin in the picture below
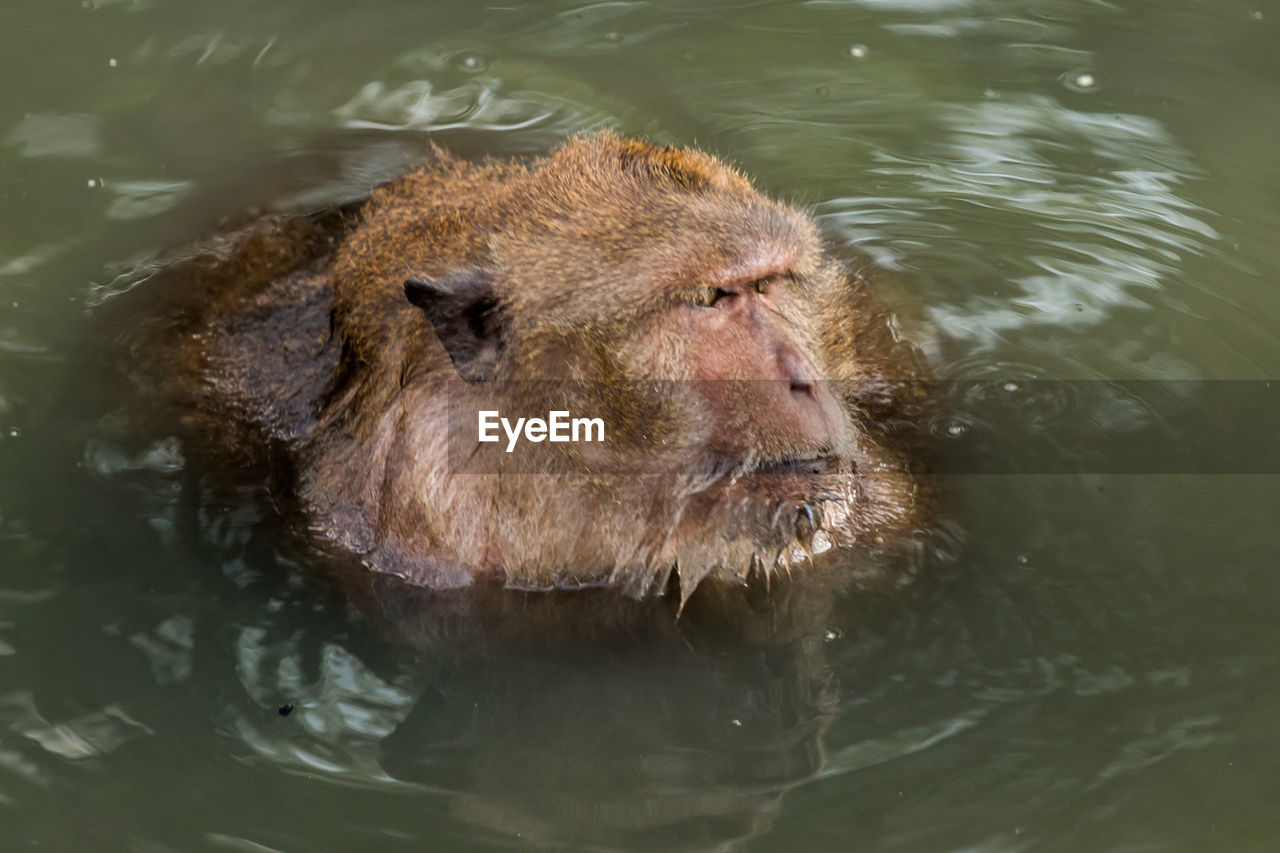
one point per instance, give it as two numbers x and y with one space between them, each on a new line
770 517
798 513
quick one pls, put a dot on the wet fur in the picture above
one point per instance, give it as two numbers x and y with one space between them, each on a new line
290 343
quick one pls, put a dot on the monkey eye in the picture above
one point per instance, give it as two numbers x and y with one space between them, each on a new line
763 285
706 297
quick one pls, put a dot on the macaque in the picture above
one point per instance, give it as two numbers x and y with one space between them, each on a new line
741 375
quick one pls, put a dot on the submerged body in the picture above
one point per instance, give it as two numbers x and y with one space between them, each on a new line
741 375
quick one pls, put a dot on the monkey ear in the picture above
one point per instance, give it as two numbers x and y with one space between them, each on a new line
466 317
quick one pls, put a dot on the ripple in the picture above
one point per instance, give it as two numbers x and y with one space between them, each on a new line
235 842
35 257
124 5
596 28
212 48
86 736
932 6
416 105
1189 734
908 741
57 135
169 647
343 713
140 199
1094 195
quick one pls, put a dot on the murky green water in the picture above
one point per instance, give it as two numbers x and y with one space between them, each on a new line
1058 189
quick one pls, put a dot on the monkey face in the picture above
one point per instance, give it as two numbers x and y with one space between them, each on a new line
752 365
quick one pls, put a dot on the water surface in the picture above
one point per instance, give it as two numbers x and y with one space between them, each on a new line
1065 190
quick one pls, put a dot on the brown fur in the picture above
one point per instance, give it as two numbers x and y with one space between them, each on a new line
295 342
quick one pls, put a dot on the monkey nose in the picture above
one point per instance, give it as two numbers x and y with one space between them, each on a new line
803 377
802 387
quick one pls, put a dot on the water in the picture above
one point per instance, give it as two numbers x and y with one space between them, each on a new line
1056 190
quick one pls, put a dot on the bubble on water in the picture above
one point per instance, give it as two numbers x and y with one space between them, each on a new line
858 51
1010 387
470 61
952 425
1080 81
94 183
990 93
1023 560
13 432
112 62
737 723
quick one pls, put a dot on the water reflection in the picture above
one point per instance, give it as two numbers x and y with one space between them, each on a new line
579 719
610 725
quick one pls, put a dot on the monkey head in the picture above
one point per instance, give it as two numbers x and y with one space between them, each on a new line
727 352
